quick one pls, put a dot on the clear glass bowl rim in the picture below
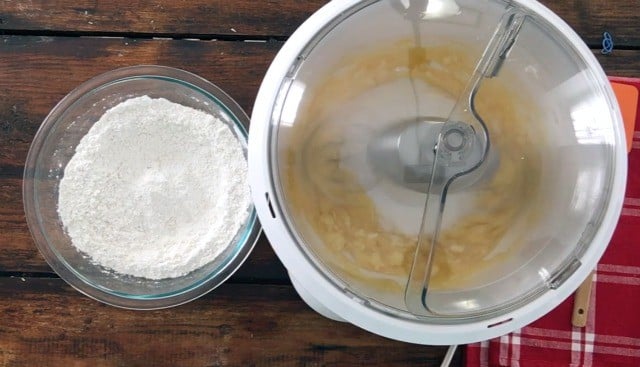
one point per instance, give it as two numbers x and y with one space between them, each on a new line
68 274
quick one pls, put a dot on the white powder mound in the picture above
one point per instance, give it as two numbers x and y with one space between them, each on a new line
155 189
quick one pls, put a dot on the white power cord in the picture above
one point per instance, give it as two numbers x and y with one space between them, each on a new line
449 356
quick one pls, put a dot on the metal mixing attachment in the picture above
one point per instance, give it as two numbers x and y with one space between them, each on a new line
434 155
407 153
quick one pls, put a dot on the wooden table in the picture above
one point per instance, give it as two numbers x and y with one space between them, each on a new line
255 319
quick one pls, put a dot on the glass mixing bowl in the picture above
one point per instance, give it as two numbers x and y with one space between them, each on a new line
53 147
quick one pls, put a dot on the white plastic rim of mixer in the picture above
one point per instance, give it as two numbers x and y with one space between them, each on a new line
349 308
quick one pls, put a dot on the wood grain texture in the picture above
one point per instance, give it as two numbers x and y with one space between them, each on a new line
19 253
17 248
590 18
620 63
36 72
34 76
48 323
194 17
264 18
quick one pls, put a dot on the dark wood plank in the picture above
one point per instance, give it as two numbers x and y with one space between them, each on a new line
620 63
36 72
590 18
19 252
264 18
15 241
48 323
34 75
194 17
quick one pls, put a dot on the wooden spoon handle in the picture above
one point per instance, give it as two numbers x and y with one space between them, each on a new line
581 302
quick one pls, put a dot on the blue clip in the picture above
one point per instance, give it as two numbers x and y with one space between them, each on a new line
607 44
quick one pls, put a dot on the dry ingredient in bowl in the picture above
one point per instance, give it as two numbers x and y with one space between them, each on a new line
155 189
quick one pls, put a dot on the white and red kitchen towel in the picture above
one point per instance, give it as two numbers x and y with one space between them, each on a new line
611 337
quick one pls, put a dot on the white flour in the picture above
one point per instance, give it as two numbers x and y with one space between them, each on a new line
155 189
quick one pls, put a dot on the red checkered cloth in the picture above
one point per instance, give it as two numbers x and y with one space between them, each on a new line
611 337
